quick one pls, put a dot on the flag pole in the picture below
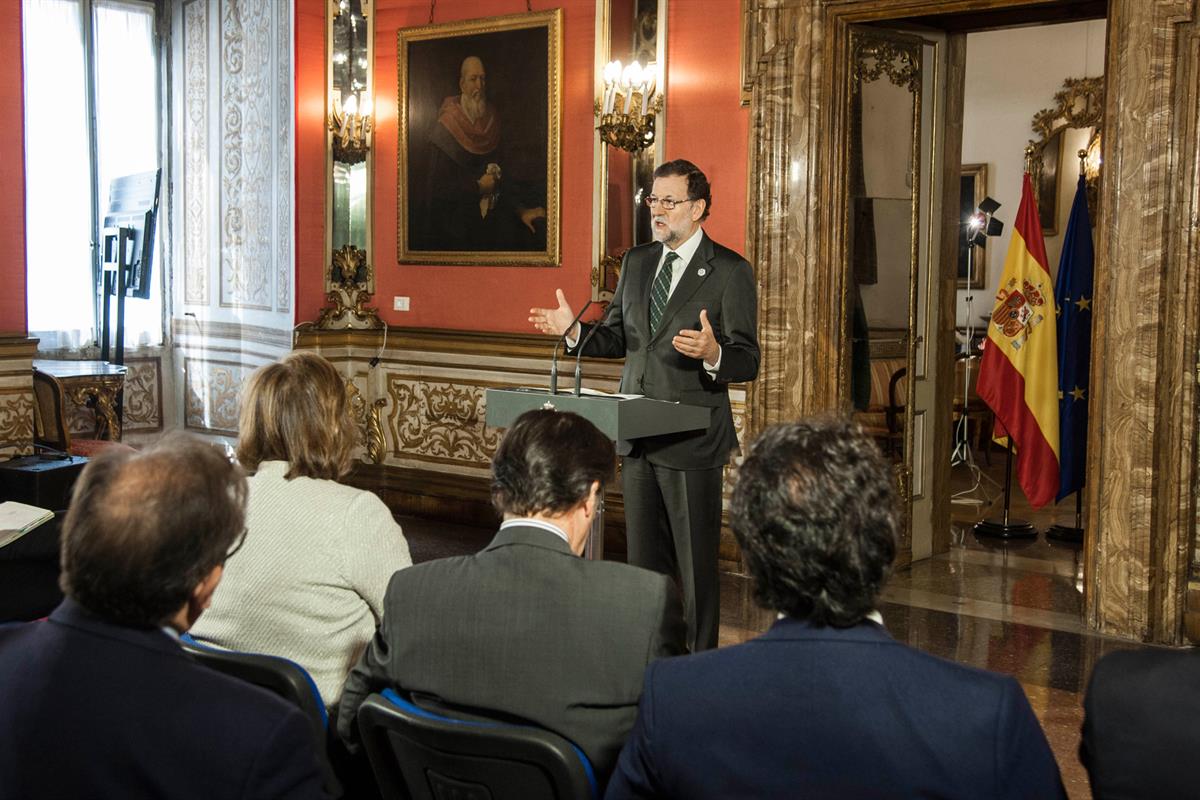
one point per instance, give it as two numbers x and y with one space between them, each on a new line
1006 527
1065 533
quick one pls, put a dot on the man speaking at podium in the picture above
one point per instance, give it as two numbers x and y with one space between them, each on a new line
683 317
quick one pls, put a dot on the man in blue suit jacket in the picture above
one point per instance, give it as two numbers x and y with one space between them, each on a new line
826 704
100 700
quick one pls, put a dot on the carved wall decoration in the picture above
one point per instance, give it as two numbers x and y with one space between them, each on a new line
366 415
16 395
440 422
282 134
255 210
16 422
211 392
195 152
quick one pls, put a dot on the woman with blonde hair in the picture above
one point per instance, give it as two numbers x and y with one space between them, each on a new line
308 584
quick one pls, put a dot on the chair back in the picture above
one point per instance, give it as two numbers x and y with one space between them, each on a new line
280 676
49 416
419 755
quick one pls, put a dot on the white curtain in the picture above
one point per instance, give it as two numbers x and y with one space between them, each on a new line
127 130
58 206
58 210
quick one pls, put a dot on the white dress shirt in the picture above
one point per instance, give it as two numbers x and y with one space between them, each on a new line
685 252
536 523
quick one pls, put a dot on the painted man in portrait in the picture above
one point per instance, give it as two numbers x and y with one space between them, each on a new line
474 201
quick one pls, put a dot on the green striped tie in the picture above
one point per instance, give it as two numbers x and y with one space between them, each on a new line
661 291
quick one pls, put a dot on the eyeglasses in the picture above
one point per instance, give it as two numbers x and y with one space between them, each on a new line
665 202
237 545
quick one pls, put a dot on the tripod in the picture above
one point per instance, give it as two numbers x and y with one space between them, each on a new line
963 453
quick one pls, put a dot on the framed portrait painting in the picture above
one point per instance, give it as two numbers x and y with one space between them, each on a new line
478 160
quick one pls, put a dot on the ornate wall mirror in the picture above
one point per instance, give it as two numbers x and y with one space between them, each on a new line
891 235
1071 125
627 30
350 90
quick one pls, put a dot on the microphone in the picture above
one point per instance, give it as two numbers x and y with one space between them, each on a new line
558 344
579 351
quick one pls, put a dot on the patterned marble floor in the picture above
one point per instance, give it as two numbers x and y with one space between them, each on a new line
1011 607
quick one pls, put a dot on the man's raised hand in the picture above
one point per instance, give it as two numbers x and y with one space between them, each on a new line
700 344
553 320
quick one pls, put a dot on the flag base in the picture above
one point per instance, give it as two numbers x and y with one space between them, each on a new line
1065 533
1013 529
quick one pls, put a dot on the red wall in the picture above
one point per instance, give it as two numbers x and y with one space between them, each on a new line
705 123
12 175
311 257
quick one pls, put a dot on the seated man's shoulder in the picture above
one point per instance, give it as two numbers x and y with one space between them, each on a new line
626 575
1146 669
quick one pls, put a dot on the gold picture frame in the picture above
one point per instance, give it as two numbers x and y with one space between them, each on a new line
479 137
973 189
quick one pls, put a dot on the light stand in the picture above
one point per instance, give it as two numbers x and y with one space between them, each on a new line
979 225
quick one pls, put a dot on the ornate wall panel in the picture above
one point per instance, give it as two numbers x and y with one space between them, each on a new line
195 152
233 66
255 206
439 422
211 400
282 135
16 396
217 358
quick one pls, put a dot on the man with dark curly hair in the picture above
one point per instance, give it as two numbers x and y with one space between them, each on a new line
826 704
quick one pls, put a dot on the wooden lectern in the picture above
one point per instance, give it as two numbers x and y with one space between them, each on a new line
621 418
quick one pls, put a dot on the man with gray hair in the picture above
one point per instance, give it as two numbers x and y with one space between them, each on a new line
473 203
100 700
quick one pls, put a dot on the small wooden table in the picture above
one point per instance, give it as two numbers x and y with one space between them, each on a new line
95 384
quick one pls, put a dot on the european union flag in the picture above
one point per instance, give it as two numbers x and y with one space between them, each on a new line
1073 298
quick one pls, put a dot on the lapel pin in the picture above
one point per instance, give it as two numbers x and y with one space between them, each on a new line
701 272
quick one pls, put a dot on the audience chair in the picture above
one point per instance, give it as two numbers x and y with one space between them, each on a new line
281 676
419 755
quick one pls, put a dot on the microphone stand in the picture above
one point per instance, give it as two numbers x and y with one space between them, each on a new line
558 344
579 350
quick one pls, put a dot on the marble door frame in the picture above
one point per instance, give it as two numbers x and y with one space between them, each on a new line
1142 472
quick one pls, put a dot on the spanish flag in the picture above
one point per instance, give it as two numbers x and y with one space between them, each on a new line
1018 377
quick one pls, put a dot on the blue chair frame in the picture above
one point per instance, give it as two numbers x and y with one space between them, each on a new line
419 755
282 677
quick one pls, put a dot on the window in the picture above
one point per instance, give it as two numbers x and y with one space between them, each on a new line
68 167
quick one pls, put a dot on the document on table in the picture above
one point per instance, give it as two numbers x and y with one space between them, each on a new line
18 519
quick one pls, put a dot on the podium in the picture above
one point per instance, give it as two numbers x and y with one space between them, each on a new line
619 417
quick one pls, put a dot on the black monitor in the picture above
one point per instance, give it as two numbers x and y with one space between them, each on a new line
133 205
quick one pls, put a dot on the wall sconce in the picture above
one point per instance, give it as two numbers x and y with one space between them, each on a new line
351 126
629 105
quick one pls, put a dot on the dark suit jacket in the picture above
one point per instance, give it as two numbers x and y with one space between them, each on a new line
832 713
94 709
716 279
527 629
1141 725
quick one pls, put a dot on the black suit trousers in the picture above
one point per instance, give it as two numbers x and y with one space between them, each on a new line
673 526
